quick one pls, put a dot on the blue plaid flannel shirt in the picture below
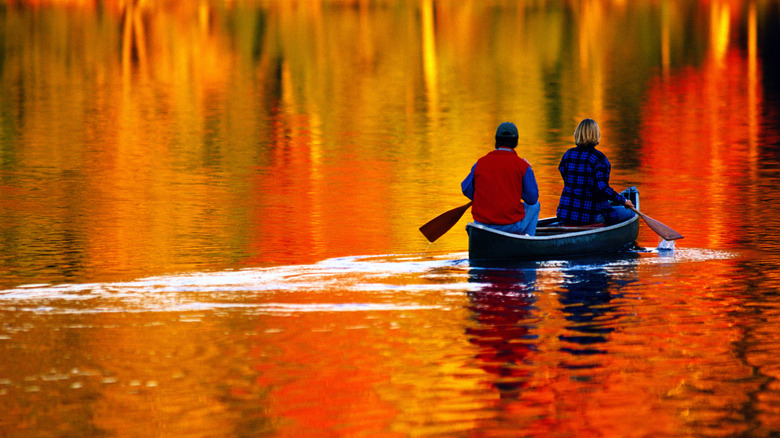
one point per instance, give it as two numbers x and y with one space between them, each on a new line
586 191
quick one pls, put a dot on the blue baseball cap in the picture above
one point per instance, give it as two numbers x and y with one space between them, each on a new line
507 129
506 135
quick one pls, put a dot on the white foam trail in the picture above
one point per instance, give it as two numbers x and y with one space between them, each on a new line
233 289
251 290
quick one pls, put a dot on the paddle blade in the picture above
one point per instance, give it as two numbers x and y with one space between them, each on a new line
662 230
442 223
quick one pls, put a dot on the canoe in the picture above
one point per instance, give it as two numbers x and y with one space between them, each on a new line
553 240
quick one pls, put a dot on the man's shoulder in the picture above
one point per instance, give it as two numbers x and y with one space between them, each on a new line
522 162
503 155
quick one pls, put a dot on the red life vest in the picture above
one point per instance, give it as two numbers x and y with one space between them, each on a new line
498 188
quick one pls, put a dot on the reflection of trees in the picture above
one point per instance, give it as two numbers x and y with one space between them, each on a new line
183 89
501 309
133 36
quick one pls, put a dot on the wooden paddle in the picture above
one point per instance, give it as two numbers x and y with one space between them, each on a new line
662 230
442 223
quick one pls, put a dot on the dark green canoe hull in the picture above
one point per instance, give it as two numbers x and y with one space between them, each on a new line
489 244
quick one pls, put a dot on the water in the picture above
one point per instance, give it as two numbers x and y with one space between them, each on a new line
412 344
209 213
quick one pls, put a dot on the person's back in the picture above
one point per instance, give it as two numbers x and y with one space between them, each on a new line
498 196
586 191
503 188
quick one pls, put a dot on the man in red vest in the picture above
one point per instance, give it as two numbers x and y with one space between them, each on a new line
503 187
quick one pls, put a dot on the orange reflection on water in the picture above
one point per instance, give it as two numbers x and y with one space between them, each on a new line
309 200
329 376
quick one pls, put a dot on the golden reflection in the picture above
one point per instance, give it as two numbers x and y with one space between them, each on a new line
591 20
665 42
429 59
720 24
133 38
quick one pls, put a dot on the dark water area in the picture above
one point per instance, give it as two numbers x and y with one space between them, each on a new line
209 219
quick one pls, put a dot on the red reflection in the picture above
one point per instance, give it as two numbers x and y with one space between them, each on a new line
700 136
501 308
313 202
327 380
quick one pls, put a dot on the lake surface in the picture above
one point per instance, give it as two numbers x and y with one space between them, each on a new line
209 219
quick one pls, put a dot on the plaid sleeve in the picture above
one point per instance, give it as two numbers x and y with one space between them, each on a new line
602 182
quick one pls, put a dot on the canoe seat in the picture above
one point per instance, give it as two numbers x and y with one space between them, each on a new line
593 225
557 228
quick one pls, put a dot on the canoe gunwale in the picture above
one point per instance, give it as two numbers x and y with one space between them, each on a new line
576 233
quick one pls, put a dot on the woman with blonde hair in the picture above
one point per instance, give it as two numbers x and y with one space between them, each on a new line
586 194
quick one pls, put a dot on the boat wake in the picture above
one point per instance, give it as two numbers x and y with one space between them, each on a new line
259 290
346 284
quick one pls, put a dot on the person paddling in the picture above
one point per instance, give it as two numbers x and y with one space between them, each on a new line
586 191
503 188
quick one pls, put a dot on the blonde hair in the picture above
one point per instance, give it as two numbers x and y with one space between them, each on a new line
587 133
